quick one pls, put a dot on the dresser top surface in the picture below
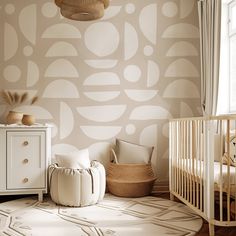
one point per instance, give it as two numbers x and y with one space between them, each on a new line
19 126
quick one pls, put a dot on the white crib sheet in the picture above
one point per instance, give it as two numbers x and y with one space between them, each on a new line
231 177
186 165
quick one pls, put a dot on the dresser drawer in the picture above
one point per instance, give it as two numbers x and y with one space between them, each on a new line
26 160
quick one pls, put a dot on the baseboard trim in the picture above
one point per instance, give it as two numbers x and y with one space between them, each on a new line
160 187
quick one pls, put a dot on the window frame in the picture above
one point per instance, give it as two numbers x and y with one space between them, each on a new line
231 4
231 34
224 104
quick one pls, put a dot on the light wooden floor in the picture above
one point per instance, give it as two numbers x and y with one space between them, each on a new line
219 231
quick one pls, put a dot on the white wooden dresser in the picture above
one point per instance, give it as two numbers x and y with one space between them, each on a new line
25 153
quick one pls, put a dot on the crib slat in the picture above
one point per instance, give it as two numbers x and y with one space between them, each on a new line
182 156
197 164
192 160
193 156
201 161
175 154
234 176
221 163
187 163
197 160
178 157
228 170
179 160
176 151
191 164
170 155
185 159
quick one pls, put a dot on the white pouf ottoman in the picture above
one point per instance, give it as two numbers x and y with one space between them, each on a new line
77 187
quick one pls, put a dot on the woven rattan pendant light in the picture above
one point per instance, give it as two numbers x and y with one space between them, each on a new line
82 10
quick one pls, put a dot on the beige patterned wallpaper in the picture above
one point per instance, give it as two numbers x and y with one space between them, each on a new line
122 76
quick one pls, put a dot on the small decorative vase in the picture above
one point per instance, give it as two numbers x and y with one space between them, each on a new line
28 119
14 117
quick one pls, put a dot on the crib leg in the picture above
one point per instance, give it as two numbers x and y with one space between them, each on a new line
211 229
172 197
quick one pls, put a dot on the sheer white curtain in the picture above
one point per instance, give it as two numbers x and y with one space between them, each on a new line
209 12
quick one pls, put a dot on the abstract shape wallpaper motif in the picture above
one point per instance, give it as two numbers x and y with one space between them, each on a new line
122 76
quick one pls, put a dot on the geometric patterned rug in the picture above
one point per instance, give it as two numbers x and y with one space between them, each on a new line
113 216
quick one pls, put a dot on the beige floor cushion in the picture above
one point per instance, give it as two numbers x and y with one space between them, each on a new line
77 187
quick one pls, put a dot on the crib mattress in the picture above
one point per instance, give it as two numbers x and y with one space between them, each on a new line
196 168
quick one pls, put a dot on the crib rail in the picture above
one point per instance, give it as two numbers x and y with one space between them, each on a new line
201 171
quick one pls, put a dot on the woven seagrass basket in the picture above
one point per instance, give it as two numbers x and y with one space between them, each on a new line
130 180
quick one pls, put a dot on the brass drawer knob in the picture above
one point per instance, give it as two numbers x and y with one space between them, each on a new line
25 161
25 180
25 143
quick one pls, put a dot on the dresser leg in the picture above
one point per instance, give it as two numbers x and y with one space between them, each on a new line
40 196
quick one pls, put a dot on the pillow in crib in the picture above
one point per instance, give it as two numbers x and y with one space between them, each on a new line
130 153
232 154
74 160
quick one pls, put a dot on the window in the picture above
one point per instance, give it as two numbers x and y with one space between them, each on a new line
227 83
232 54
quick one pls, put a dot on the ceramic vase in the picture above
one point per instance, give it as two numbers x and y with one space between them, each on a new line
28 119
14 117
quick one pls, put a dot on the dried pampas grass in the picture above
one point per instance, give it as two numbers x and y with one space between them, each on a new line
6 97
24 97
11 97
15 98
34 100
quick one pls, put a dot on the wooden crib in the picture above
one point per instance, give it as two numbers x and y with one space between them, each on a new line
202 174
